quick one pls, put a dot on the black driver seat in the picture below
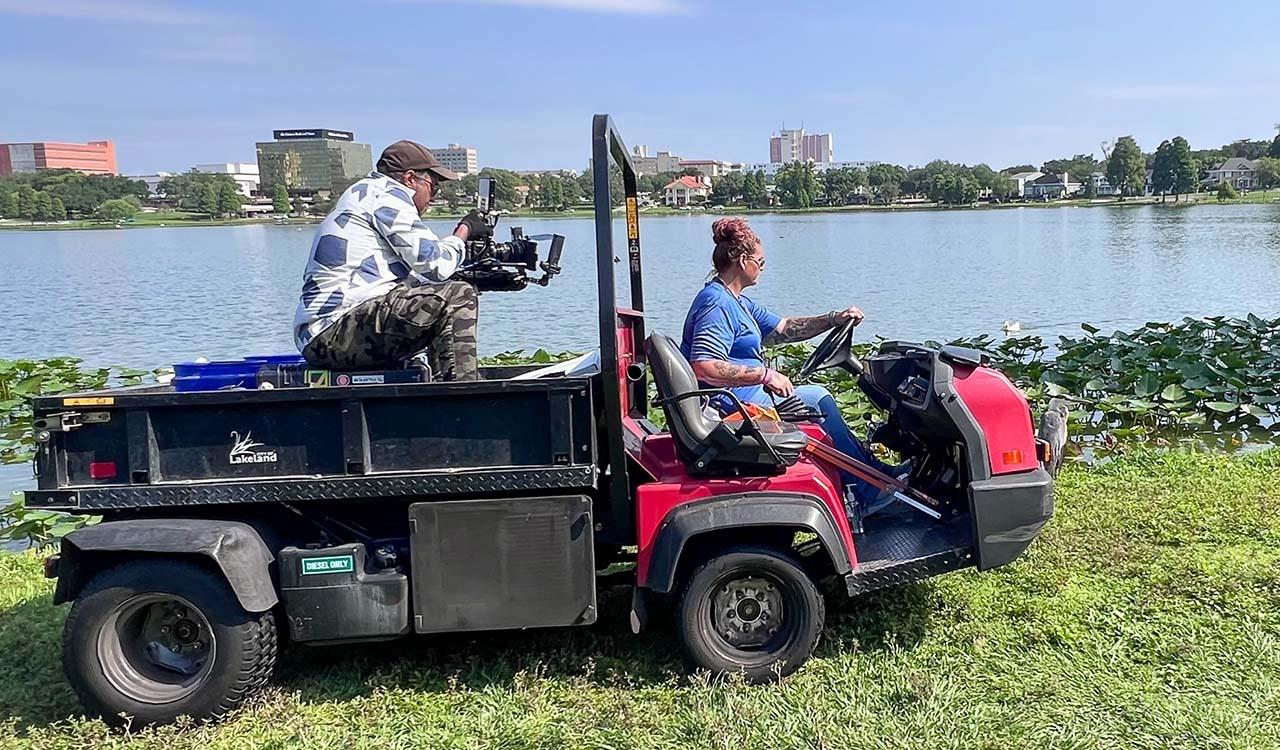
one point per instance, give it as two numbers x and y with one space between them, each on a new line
711 446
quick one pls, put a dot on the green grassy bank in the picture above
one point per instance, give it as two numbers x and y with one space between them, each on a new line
1148 616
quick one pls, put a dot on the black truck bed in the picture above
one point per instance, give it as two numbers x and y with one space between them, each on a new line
152 446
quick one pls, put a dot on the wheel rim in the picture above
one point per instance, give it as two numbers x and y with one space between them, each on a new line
752 616
156 648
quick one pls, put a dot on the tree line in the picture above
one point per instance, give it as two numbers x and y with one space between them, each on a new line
58 194
215 195
1176 169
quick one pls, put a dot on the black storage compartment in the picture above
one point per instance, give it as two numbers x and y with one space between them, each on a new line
152 446
329 596
233 441
502 564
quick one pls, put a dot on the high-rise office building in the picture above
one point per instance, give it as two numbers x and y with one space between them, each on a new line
312 159
94 157
795 145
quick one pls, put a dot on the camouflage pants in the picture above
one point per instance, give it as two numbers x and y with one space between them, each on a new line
384 331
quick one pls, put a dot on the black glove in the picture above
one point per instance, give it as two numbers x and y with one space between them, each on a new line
477 227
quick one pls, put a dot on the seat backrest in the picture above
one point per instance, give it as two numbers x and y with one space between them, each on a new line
673 376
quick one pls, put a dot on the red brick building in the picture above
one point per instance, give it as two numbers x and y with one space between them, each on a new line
94 157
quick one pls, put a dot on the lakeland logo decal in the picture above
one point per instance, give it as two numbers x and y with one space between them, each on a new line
244 451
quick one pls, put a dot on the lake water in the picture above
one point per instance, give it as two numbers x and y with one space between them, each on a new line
150 297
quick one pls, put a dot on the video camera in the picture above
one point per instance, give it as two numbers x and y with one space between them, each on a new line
505 266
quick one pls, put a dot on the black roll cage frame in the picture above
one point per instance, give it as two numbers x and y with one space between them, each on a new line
606 143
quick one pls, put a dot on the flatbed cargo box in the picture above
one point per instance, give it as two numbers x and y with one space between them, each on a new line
152 446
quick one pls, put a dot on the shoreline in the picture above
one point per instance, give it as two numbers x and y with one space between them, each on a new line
1270 197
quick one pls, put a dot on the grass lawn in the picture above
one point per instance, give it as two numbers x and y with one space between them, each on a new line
1148 616
1259 196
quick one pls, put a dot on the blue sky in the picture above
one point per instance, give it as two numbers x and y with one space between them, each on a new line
1005 83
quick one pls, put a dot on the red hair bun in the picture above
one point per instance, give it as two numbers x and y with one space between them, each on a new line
733 231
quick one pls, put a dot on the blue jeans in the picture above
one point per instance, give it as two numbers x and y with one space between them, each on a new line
842 438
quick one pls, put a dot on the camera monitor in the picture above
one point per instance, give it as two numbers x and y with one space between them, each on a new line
485 195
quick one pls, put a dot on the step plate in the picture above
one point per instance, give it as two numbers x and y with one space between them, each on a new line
901 546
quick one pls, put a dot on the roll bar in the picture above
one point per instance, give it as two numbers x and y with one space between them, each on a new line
607 147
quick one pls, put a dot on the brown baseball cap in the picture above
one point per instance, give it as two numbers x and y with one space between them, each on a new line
402 156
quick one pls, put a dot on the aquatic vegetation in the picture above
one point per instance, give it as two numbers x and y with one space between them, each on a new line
1208 381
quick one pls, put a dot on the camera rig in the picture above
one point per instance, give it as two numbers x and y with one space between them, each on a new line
505 266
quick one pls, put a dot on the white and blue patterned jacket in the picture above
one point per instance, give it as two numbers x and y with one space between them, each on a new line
372 240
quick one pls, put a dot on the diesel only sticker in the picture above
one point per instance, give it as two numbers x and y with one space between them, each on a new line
335 564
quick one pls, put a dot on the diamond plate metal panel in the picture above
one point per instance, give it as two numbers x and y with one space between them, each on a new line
896 539
907 571
306 489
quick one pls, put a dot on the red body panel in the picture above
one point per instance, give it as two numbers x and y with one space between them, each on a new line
628 352
670 485
673 487
1001 411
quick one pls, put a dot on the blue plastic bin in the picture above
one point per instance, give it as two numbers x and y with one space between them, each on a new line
227 373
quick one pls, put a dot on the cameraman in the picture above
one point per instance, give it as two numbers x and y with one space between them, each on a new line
376 289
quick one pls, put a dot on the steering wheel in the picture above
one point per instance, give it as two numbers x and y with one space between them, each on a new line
836 350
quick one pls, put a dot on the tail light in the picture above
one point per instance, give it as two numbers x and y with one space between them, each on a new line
102 470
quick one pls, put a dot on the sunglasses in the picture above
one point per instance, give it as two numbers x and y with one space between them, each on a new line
757 260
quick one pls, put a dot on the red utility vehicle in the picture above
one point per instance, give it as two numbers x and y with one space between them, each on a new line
239 519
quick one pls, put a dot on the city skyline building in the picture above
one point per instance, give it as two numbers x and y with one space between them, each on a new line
796 145
663 161
245 174
458 158
94 157
311 160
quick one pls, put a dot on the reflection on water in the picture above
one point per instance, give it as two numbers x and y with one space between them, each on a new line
148 297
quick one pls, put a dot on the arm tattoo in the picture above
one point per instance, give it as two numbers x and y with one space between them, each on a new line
720 373
800 329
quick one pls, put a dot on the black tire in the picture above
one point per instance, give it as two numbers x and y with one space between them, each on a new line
112 653
778 642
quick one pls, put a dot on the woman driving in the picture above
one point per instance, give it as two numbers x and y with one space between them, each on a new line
725 334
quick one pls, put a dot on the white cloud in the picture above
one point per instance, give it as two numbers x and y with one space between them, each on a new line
127 11
635 7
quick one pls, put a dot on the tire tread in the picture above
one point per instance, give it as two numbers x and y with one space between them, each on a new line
258 660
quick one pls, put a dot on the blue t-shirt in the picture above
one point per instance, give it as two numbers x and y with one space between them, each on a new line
728 328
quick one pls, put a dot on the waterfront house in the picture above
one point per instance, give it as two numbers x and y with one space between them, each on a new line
1101 185
1052 186
1021 179
686 190
1241 173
